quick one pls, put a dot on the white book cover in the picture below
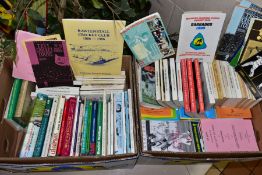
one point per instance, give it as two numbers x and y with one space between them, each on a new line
157 76
60 90
199 35
102 87
219 74
79 132
236 82
74 132
173 79
229 80
50 127
104 126
131 119
99 81
122 75
113 125
56 127
109 128
232 83
166 80
179 83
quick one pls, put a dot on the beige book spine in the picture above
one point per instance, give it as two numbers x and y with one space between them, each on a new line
21 99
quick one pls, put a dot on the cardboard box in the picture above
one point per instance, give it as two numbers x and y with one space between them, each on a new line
9 142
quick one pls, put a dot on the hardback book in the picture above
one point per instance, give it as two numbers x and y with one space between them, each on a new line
148 40
147 86
199 35
185 88
231 42
42 131
50 63
228 135
14 98
50 127
21 99
33 126
253 40
67 137
251 73
173 136
95 47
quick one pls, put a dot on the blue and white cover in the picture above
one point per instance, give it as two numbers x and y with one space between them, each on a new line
148 40
118 110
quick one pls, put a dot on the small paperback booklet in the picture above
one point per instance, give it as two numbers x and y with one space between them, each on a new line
50 63
199 35
148 40
251 72
175 136
228 135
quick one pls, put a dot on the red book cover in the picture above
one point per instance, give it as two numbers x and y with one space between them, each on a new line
62 128
199 86
185 85
191 84
66 142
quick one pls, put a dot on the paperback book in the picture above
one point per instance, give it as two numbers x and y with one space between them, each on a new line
148 40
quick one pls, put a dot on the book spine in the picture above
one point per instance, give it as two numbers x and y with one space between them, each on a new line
123 123
179 84
49 128
21 99
185 85
43 128
66 144
217 80
173 80
74 130
210 67
127 123
199 86
104 127
62 128
56 127
89 123
166 80
119 124
191 84
209 86
14 98
84 128
131 118
196 134
109 135
113 125
158 91
93 128
33 127
99 129
79 128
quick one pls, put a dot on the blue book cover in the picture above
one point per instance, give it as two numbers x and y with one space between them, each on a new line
93 128
119 124
128 142
148 40
211 114
84 130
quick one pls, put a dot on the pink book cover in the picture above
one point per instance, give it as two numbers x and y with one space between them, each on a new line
228 135
22 69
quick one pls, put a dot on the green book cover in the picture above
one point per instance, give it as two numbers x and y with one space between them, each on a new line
14 98
42 131
84 133
99 128
195 129
89 126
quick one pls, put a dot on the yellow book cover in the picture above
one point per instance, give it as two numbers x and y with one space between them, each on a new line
95 47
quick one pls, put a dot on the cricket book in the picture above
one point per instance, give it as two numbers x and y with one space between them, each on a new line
95 47
148 40
174 136
251 73
199 35
228 135
50 63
